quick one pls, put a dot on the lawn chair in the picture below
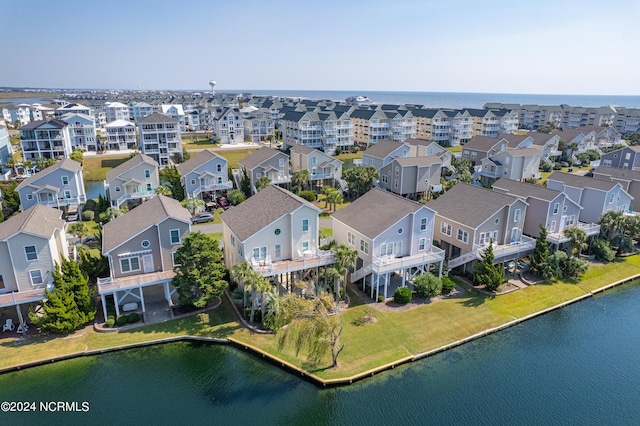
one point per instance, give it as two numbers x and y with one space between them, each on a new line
23 328
8 325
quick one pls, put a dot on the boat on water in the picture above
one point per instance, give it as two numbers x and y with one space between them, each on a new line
359 101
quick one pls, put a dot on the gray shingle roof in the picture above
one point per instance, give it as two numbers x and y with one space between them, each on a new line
469 205
147 214
260 210
418 161
525 190
157 117
301 149
578 181
36 124
382 149
257 157
38 220
65 164
197 161
375 212
481 143
130 164
621 174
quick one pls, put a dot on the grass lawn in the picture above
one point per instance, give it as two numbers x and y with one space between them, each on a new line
216 235
348 156
95 168
234 155
200 143
545 175
326 232
457 148
320 204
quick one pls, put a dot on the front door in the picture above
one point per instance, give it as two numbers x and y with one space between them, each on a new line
147 263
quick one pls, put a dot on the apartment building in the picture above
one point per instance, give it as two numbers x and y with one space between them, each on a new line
160 137
82 129
121 135
46 139
116 111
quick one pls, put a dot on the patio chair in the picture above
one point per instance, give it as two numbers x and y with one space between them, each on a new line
23 328
8 325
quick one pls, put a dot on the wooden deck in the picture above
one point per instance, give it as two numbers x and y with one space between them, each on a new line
20 297
111 285
281 267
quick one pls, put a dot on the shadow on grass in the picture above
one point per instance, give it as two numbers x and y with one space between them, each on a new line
112 162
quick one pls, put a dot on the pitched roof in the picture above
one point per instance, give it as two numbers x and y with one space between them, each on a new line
257 157
522 189
469 205
38 220
620 174
422 161
260 210
35 124
375 212
578 181
197 161
130 164
540 138
64 164
382 149
157 117
140 218
119 123
301 149
481 143
524 152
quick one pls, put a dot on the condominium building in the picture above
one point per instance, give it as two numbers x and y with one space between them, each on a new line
82 130
121 135
160 137
228 126
627 120
326 130
46 139
141 109
116 111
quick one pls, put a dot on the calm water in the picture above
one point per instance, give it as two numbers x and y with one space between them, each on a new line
94 189
578 365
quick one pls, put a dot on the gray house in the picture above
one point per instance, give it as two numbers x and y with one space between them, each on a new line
31 243
207 172
548 207
412 177
623 158
383 152
267 162
141 247
393 237
134 180
629 179
60 186
423 148
470 217
596 197
323 168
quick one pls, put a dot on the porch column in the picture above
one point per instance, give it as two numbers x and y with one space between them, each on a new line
117 302
20 318
104 306
386 284
167 295
440 271
377 286
404 276
142 300
371 281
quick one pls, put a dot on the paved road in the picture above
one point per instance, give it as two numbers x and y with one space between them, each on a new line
210 228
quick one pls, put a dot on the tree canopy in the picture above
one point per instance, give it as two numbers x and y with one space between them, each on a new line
172 176
485 272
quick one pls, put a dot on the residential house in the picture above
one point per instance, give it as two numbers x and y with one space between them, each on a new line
548 207
383 152
629 179
323 168
481 147
116 111
423 147
469 218
228 126
393 237
82 129
623 158
581 141
31 243
277 232
43 112
549 145
596 197
72 109
17 114
121 135
6 151
177 113
46 139
141 248
266 162
511 163
206 172
59 186
605 136
160 137
135 179
141 109
412 177
258 128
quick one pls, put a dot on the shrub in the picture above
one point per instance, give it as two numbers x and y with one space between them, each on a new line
88 215
310 196
91 204
546 167
447 285
557 166
257 316
601 248
338 151
122 320
109 323
402 295
427 285
133 318
269 323
380 298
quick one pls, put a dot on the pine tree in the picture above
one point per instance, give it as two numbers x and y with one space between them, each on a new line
540 256
245 183
485 272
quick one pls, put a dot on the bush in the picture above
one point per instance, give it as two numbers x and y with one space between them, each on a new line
546 167
91 204
380 298
601 248
88 215
310 196
257 317
133 318
269 323
447 285
122 320
427 285
110 322
402 295
338 151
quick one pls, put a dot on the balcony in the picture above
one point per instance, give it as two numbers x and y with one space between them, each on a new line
308 260
135 196
559 237
500 251
495 173
382 265
111 285
321 176
214 186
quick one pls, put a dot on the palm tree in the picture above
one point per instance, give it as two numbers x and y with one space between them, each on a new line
79 229
11 163
28 164
301 178
610 222
334 198
113 212
256 283
262 183
577 239
345 258
192 204
333 273
326 190
163 190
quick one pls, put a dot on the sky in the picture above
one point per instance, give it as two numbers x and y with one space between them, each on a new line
487 46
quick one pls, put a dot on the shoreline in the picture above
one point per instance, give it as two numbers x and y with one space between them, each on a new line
306 375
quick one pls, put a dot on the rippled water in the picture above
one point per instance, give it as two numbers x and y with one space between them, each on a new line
577 365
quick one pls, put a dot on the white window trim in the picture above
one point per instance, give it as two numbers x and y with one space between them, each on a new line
31 276
171 238
364 246
444 227
351 239
128 260
516 215
422 242
26 255
63 178
423 223
173 258
462 236
305 222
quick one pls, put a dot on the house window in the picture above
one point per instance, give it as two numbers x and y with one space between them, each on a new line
422 242
305 225
314 160
174 258
259 253
281 162
219 167
130 264
36 277
193 181
2 285
174 236
627 156
29 196
395 183
146 244
497 221
305 245
400 230
611 197
233 241
516 215
30 252
385 179
445 228
147 173
386 249
314 170
397 171
552 227
463 236
423 224
65 180
474 154
67 194
351 239
278 251
364 246
570 220
117 189
556 207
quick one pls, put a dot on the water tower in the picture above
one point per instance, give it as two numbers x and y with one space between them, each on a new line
213 85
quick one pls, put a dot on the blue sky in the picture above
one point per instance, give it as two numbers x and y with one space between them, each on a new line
493 46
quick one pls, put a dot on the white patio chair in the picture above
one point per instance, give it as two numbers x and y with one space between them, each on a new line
23 328
8 325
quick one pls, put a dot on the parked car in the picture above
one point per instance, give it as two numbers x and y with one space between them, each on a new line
202 218
223 202
91 241
564 164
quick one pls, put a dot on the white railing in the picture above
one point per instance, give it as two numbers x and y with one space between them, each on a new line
499 251
135 195
109 284
310 260
384 264
20 297
322 176
216 186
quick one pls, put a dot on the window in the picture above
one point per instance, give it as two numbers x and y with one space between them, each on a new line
422 242
278 251
516 215
29 196
233 241
611 197
397 171
474 154
281 162
146 244
117 189
314 160
219 167
174 236
65 180
130 264
2 285
147 173
386 249
400 230
570 220
385 179
463 236
305 245
314 170
445 228
67 194
30 252
364 246
259 252
351 239
36 277
423 224
552 227
627 156
305 225
485 237
556 207
193 181
497 221
395 183
174 258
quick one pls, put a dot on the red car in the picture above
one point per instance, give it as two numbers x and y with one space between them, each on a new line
223 202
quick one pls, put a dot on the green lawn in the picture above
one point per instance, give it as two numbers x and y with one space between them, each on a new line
234 155
95 168
199 143
346 156
457 148
320 204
